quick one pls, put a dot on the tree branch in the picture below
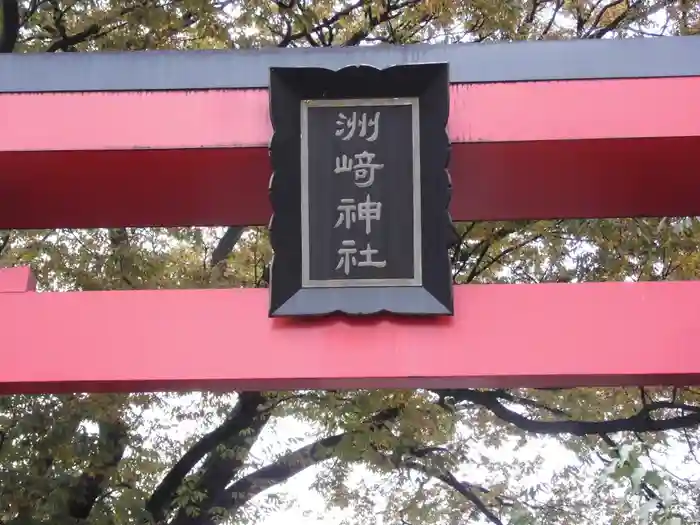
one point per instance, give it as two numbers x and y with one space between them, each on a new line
640 422
243 490
222 465
9 32
392 11
119 242
325 23
64 44
246 488
649 492
226 244
601 14
449 479
67 42
290 464
5 242
238 420
465 489
550 24
91 482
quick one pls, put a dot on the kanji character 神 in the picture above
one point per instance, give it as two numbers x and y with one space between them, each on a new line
349 212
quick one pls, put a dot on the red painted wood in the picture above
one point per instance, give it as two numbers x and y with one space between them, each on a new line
515 111
574 109
522 150
17 280
491 181
134 120
558 335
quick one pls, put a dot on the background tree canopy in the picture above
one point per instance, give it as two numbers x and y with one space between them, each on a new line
584 456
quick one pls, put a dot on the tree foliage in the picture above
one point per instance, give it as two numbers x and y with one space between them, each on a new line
623 455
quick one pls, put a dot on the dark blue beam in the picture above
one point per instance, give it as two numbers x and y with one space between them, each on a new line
469 63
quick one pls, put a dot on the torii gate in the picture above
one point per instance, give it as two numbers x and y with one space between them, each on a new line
580 129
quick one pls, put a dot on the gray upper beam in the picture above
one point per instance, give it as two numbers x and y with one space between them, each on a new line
506 62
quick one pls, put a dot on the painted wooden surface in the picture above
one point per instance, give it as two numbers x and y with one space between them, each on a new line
557 335
520 151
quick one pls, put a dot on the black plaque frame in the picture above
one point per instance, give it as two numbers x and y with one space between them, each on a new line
291 89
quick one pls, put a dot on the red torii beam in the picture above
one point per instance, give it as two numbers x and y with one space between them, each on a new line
539 130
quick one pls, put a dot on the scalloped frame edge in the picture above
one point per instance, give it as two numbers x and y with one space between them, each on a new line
288 87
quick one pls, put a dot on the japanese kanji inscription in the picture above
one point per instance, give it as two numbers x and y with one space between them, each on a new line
360 191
